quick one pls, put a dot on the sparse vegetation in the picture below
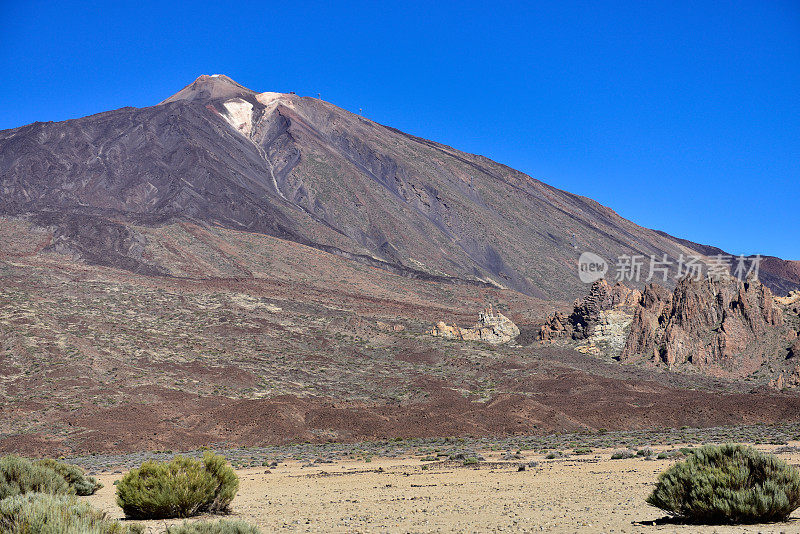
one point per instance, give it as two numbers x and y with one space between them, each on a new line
42 513
181 488
728 484
219 527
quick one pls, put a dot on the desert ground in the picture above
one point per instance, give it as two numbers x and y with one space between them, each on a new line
588 493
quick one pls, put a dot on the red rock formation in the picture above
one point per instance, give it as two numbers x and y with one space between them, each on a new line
725 327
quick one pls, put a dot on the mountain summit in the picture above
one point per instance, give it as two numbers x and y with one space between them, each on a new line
306 171
211 87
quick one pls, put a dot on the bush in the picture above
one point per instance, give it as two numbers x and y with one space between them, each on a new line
181 488
226 480
42 513
74 476
665 455
622 454
220 527
19 476
728 484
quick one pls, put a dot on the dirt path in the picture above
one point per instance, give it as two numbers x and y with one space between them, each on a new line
588 494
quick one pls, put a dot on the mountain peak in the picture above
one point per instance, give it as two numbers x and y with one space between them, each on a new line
209 87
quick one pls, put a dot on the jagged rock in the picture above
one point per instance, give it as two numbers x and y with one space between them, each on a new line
557 326
724 326
588 312
609 334
778 383
794 350
491 328
786 380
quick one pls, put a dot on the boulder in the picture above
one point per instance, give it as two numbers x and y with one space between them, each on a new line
491 328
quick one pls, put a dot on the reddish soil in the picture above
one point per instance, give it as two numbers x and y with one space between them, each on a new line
571 401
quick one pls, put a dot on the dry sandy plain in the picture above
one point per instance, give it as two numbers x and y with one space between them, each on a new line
586 494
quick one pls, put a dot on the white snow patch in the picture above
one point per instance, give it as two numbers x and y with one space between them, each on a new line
239 113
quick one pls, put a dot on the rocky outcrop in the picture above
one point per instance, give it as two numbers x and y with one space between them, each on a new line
794 350
588 312
608 336
491 328
557 326
791 301
718 327
600 320
725 327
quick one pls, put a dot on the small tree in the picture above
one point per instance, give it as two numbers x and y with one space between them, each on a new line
728 484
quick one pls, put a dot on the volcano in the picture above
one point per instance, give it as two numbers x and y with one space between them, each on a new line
301 169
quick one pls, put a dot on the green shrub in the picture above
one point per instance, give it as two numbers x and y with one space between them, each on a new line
74 475
220 527
583 450
665 455
471 461
227 483
728 484
42 513
622 454
19 476
181 488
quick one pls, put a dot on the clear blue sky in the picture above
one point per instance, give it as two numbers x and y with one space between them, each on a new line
682 116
